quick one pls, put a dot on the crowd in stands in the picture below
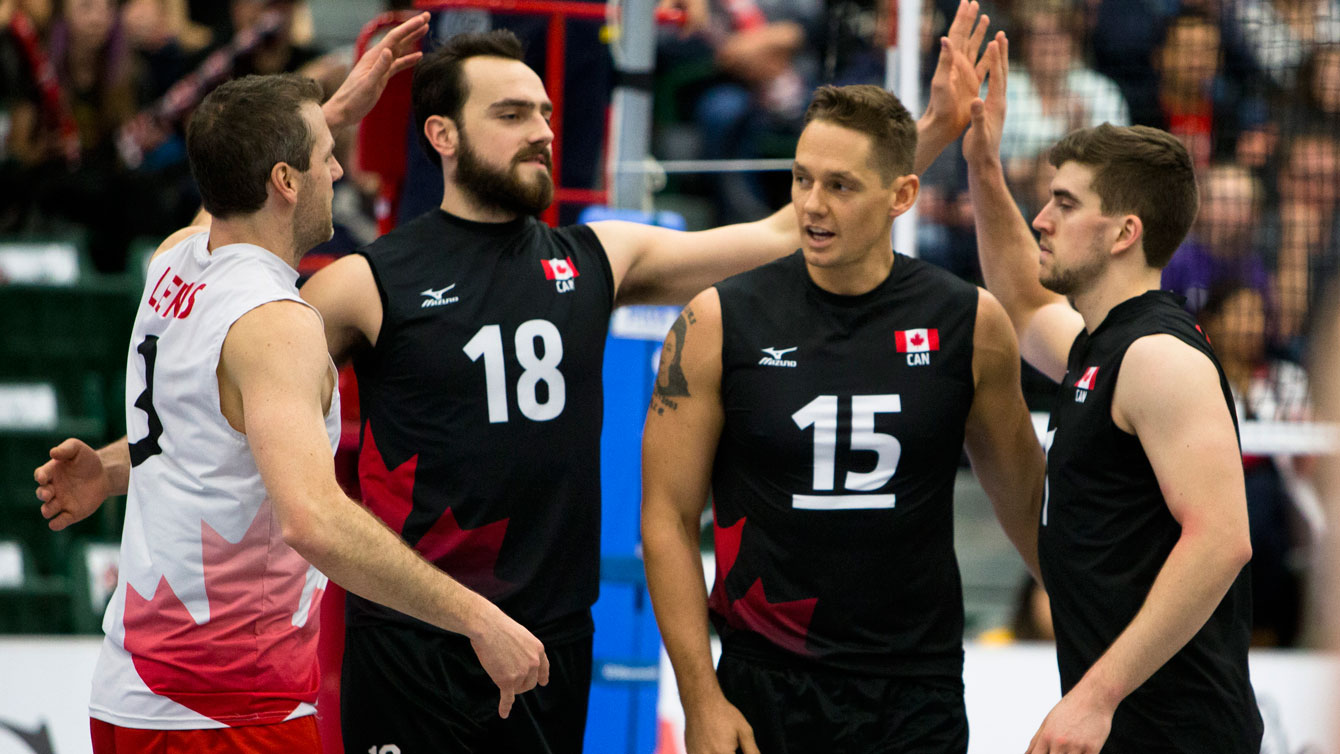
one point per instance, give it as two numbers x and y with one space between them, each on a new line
94 95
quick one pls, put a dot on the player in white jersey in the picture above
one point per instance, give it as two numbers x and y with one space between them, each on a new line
233 504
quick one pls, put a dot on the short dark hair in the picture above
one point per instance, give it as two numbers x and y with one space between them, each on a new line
1139 170
875 112
241 131
439 86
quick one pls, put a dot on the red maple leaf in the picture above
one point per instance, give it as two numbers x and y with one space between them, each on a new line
247 663
917 339
387 493
787 624
726 540
469 555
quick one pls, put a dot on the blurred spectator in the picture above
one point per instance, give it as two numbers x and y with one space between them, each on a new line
1269 390
162 34
1052 92
28 89
1280 34
1223 245
1318 93
96 86
1122 37
751 102
1308 228
289 49
1203 108
97 81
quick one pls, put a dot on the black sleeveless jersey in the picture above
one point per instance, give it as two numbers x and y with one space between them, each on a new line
834 476
1105 534
481 407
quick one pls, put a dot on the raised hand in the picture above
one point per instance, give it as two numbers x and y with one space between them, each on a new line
397 51
982 142
959 72
514 659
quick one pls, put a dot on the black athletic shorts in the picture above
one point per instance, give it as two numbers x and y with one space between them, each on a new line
426 693
800 711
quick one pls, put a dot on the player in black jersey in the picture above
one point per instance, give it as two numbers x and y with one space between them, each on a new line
824 400
477 336
1143 536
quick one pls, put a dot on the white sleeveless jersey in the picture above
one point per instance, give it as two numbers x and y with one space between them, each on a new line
214 618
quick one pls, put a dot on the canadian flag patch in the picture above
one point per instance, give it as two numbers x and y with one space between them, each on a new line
1086 382
559 269
917 341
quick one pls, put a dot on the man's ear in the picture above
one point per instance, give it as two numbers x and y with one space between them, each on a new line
442 134
284 182
908 187
1130 232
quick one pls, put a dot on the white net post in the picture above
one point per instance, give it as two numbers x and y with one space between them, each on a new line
634 53
902 76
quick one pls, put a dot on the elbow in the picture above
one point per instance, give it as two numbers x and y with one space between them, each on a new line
299 536
1232 549
300 529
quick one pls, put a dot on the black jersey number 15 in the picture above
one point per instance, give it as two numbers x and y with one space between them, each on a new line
860 488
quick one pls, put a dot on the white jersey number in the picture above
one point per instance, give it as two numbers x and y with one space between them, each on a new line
536 368
822 414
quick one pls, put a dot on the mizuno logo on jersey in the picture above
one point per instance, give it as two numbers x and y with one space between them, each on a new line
438 297
561 271
774 357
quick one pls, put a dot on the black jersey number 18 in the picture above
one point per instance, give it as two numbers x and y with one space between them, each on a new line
536 368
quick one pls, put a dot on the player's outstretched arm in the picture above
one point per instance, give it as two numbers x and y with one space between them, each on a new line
77 479
678 445
1168 395
659 266
1001 442
275 360
345 293
1044 321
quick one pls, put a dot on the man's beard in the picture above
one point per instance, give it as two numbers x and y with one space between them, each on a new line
1075 280
503 189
